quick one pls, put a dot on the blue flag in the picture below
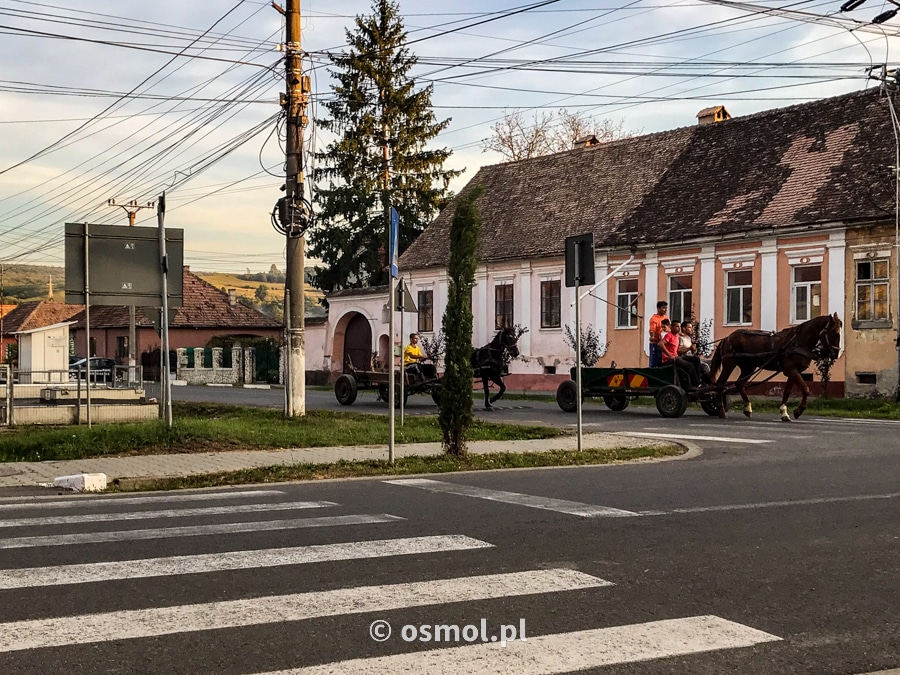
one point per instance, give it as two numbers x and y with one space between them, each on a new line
395 242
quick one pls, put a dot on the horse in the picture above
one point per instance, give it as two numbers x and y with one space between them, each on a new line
489 362
789 351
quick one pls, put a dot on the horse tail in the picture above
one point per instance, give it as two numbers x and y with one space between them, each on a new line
716 362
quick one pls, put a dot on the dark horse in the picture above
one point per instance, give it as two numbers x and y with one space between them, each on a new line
489 362
789 351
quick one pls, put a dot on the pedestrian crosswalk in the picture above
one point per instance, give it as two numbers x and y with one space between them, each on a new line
169 587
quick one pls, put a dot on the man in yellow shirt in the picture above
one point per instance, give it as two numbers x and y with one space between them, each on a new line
413 358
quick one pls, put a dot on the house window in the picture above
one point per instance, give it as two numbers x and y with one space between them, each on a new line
806 293
550 304
680 297
626 303
122 347
426 311
872 290
738 297
503 306
92 351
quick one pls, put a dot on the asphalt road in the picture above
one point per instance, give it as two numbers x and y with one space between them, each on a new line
774 551
748 559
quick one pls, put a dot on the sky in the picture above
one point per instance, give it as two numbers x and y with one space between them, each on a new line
105 100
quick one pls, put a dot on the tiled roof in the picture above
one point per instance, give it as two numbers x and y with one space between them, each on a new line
353 292
6 309
804 166
205 306
37 314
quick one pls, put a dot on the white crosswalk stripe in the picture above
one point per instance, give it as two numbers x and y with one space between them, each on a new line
193 531
168 513
563 652
35 503
277 609
233 560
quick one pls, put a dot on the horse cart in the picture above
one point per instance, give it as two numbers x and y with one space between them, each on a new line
619 386
348 385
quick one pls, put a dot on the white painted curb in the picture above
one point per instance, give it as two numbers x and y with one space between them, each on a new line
82 482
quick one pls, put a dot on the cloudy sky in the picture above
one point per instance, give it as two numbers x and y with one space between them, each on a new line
120 100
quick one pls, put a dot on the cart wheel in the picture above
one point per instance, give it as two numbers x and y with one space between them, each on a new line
709 406
671 401
345 390
566 395
616 402
436 395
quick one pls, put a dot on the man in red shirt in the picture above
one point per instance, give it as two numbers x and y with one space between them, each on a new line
662 308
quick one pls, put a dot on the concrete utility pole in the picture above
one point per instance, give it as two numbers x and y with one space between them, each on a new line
297 217
131 208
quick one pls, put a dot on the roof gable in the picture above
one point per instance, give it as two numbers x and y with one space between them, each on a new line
37 314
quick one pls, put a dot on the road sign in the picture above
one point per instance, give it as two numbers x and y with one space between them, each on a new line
580 260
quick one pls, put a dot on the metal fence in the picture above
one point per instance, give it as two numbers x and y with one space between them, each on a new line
63 397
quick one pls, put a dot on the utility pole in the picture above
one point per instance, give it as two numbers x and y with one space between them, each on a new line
131 208
294 212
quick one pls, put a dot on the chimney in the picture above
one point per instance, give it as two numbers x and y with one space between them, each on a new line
712 115
586 141
232 297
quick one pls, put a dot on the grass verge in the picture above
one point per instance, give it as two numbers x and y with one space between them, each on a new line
212 427
403 466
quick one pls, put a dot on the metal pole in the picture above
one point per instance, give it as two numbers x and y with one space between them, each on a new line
164 262
87 325
295 384
578 245
9 394
391 396
402 365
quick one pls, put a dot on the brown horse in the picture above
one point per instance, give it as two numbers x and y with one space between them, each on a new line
789 351
489 363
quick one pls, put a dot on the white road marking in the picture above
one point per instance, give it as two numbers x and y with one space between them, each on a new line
193 531
773 504
23 503
168 513
721 439
233 560
545 503
131 624
562 652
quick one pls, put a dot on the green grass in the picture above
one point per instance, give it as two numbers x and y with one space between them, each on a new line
404 466
211 427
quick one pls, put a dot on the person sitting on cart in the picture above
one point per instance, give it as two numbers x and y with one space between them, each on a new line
688 348
413 360
669 344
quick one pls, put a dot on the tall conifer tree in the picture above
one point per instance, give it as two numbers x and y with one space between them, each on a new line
376 112
455 416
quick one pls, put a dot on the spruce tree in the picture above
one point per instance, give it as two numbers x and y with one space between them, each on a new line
456 415
376 111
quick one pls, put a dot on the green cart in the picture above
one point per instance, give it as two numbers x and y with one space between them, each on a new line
619 386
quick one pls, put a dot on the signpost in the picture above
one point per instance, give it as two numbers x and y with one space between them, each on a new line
579 272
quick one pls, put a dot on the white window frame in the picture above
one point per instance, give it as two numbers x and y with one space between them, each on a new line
808 286
631 302
743 288
689 292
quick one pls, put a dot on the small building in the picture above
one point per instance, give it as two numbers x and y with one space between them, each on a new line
44 354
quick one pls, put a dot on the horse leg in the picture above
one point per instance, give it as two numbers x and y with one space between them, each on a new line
487 398
748 407
499 382
721 381
804 390
785 398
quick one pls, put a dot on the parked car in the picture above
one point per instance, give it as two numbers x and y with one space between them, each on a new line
102 369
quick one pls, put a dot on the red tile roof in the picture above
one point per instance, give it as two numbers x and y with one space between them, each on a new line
205 306
37 314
